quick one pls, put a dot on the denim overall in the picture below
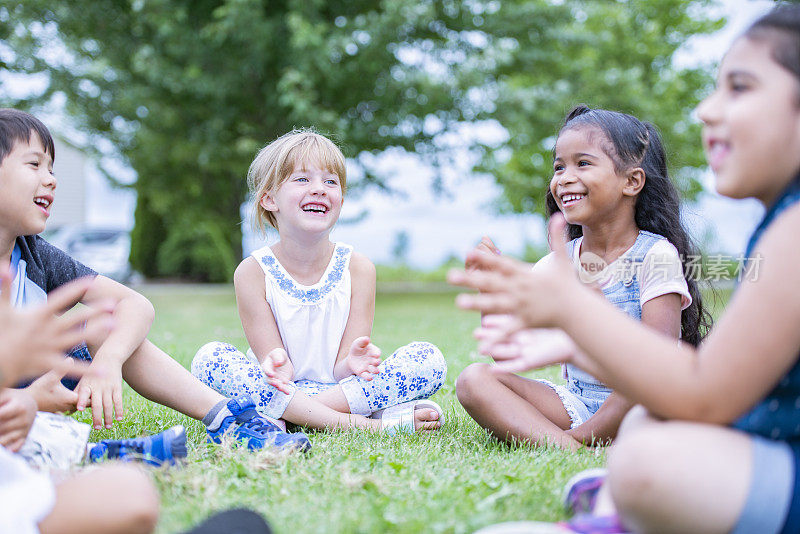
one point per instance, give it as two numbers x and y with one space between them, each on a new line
624 293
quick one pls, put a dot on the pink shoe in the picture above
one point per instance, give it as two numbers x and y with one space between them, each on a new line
582 524
580 493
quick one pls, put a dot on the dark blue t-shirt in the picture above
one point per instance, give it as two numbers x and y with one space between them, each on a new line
47 266
778 415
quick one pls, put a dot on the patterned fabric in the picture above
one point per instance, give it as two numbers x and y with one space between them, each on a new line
414 371
302 293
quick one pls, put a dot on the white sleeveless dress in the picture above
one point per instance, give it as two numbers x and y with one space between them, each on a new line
310 319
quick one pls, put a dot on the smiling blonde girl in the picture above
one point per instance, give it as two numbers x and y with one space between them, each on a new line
307 305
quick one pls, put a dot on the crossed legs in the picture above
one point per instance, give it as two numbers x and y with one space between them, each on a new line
671 476
514 408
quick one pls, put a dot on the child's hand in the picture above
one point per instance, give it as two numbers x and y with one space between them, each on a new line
486 246
364 358
17 412
279 369
509 286
50 394
517 350
34 340
101 389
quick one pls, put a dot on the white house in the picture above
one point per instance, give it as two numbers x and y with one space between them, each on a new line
71 169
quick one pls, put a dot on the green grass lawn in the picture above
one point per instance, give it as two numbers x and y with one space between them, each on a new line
455 480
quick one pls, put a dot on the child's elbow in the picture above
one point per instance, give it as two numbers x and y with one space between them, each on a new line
145 311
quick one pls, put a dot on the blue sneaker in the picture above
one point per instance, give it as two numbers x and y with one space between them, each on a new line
167 447
250 428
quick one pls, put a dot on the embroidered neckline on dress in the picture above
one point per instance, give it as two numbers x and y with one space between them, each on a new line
313 293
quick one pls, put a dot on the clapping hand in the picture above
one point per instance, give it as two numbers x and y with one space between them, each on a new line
510 287
517 349
34 340
364 358
279 369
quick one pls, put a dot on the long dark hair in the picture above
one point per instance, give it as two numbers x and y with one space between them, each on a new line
629 143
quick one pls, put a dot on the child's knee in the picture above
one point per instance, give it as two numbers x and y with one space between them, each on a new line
635 418
434 365
635 467
470 382
434 359
144 500
138 510
208 353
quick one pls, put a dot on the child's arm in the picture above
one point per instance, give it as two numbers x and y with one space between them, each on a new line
133 315
753 345
356 354
259 324
662 314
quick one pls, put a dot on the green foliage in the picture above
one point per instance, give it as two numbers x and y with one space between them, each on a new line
188 90
615 55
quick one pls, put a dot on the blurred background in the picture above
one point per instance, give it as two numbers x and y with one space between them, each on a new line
446 111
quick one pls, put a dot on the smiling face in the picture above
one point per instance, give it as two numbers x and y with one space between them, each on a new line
309 200
585 184
27 188
751 123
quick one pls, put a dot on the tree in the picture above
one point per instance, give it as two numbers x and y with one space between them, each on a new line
188 90
615 55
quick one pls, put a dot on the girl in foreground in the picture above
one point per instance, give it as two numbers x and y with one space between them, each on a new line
307 305
718 447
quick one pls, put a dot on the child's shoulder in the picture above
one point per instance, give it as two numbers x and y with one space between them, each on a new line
361 266
48 266
661 248
247 271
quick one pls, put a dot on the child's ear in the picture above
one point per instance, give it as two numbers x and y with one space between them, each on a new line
634 183
268 202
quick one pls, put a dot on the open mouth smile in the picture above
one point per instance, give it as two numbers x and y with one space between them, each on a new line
570 199
44 202
717 151
315 207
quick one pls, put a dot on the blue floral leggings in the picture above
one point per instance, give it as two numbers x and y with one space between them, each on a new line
414 371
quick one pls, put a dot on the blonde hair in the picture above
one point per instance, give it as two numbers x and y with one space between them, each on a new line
275 163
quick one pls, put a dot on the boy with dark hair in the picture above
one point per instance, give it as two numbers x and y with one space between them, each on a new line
27 187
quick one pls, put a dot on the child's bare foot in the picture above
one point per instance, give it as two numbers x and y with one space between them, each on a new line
413 416
426 420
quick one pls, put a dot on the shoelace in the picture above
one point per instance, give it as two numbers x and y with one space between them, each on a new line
251 420
117 450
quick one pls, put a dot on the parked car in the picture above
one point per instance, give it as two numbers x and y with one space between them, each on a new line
106 250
